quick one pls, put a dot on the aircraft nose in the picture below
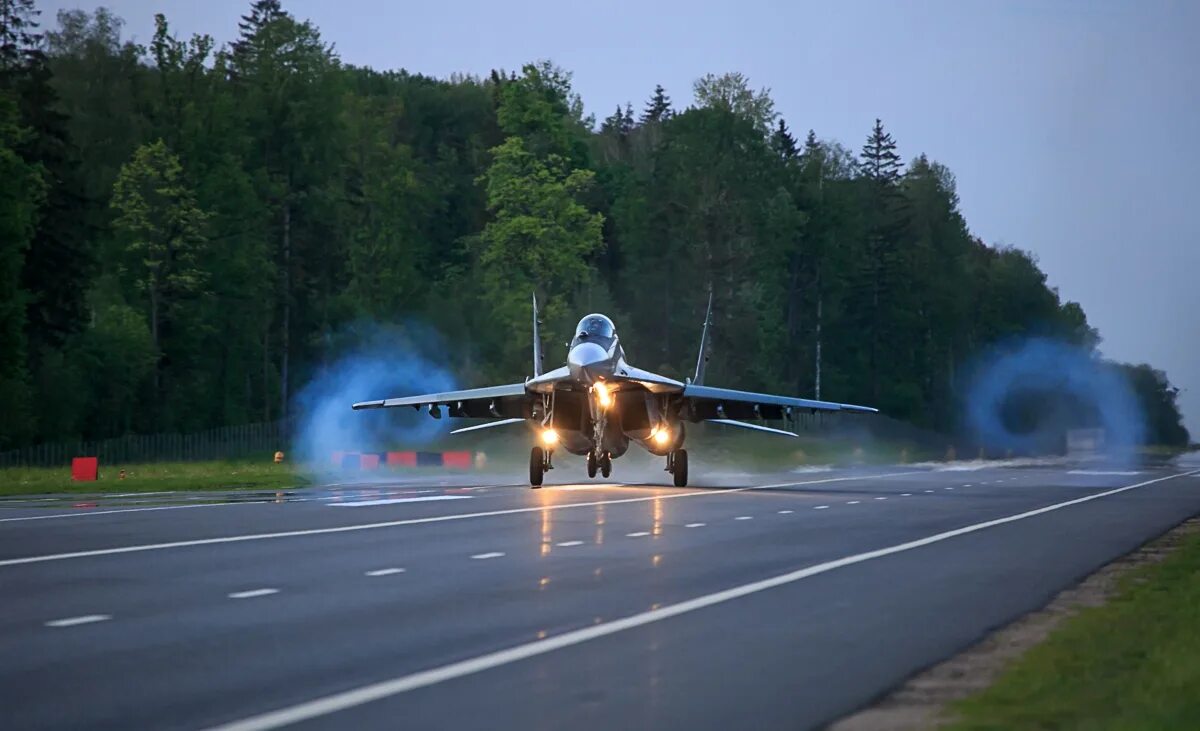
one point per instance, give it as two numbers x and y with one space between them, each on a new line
588 360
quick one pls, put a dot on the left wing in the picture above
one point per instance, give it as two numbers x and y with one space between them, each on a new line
705 402
497 402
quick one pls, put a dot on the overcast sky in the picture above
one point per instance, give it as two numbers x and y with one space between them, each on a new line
1071 126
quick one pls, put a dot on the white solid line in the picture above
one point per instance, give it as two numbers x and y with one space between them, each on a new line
786 512
821 507
492 554
744 517
695 525
251 594
568 544
85 511
385 572
72 621
854 502
637 534
394 500
376 691
413 521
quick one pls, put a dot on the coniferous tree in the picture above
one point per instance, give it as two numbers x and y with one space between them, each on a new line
658 109
783 142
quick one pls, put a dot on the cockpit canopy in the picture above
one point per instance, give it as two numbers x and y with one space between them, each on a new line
595 328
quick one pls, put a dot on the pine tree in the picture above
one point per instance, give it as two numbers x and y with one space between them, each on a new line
627 120
19 39
658 109
262 14
879 160
783 142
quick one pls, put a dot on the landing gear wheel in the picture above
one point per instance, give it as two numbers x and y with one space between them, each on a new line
679 467
591 464
605 465
537 466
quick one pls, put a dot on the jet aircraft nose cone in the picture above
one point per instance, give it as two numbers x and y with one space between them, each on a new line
589 361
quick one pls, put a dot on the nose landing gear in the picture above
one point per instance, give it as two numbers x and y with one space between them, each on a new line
603 464
677 465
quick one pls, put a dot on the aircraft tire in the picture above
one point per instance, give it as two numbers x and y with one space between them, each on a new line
605 466
537 467
591 464
680 471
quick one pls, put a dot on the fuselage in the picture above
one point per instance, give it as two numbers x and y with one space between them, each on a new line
597 409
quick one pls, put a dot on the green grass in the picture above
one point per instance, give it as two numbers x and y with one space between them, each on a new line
1133 663
260 475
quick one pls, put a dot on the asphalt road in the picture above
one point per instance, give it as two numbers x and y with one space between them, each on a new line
782 601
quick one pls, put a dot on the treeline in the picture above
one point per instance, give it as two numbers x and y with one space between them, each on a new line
188 231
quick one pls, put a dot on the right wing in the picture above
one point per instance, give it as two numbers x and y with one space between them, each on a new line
497 402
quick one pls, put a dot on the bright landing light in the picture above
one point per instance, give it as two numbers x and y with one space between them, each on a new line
549 436
603 397
661 435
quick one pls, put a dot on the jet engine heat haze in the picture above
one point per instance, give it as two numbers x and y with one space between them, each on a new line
597 404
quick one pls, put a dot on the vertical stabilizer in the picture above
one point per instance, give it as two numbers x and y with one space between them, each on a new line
537 341
702 359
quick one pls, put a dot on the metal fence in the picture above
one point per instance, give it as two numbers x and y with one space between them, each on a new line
229 442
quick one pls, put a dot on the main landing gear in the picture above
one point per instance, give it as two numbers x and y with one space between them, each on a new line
602 463
539 463
677 465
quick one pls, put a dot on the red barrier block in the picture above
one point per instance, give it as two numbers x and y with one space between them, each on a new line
85 469
401 459
457 460
368 461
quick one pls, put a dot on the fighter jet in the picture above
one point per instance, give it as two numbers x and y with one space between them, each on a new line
598 403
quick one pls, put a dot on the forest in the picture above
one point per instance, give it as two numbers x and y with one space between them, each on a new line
191 231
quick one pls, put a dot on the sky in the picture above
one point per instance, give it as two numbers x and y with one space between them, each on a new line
1070 125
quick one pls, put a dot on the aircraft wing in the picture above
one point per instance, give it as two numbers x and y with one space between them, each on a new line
509 401
705 402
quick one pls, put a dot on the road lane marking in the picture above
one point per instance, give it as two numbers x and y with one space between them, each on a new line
394 500
881 498
568 544
906 494
854 502
84 511
491 554
695 525
85 619
821 507
637 534
420 521
929 491
744 517
949 488
786 512
1127 473
385 572
385 689
253 593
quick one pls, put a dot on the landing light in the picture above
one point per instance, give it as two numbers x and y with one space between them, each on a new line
661 435
603 397
549 436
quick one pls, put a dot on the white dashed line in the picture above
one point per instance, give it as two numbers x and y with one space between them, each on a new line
929 491
821 507
881 498
949 488
72 621
906 494
695 525
568 544
412 521
493 554
854 502
744 517
251 594
786 512
385 572
968 484
637 534
397 500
